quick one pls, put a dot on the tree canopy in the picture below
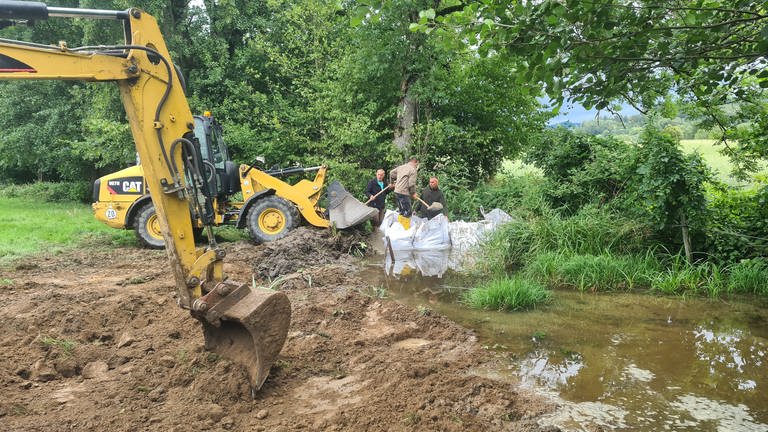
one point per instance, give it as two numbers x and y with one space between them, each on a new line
294 81
707 55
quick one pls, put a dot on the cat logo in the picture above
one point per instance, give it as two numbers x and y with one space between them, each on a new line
126 186
131 187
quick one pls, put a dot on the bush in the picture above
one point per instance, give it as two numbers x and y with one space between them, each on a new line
50 192
507 293
581 169
737 228
517 195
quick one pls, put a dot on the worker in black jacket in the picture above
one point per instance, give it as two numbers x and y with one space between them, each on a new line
431 194
375 186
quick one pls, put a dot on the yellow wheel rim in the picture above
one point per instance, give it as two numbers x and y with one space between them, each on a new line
271 221
153 227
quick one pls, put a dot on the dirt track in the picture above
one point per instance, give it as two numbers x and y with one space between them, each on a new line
93 340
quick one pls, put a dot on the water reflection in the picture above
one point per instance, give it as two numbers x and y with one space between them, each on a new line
427 263
619 361
542 368
432 263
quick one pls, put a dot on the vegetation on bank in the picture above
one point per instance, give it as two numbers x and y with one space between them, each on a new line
607 215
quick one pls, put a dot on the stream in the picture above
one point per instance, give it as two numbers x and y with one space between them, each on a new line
620 361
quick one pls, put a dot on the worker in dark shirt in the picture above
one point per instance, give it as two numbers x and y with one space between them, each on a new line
431 194
375 186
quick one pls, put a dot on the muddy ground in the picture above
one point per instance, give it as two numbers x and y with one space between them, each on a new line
93 340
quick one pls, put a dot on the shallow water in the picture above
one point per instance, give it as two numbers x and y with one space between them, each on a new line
621 361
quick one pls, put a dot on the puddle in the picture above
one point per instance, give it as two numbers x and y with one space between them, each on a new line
618 361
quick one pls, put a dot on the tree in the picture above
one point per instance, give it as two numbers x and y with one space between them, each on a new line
709 54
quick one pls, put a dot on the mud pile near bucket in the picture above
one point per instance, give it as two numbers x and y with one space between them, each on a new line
306 247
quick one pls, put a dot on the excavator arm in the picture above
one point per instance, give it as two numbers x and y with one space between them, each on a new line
246 324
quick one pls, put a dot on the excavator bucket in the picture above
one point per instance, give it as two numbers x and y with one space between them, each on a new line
248 326
344 210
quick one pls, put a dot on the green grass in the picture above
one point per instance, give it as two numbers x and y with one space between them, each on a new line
67 346
28 226
720 163
682 278
749 277
507 294
590 232
604 272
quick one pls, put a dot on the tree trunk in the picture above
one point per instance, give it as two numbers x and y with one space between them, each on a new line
686 238
406 116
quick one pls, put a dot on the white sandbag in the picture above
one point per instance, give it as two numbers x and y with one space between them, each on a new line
432 234
432 262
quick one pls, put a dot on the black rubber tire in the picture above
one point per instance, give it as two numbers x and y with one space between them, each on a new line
277 206
143 228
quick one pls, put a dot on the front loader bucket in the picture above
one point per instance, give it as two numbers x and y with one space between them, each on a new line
248 326
344 210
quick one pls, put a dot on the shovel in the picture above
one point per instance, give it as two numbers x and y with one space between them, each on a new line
373 197
435 206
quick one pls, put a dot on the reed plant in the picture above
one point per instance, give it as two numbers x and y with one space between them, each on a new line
748 277
590 232
586 272
683 278
507 293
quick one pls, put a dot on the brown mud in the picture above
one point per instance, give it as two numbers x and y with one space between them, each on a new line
93 340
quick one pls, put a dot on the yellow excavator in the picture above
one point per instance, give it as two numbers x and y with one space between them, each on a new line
269 208
245 324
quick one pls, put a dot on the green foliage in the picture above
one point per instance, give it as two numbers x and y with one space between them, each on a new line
652 182
517 195
668 184
66 346
749 277
682 278
507 294
604 272
629 128
591 231
737 227
63 192
706 54
581 169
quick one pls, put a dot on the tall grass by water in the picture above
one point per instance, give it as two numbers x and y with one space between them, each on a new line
507 293
748 277
591 231
604 272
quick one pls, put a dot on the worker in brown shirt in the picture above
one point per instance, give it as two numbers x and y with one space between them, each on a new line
404 178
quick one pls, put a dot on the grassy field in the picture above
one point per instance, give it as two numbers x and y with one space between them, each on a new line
28 227
707 148
711 154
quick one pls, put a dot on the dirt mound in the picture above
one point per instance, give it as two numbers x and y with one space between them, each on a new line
93 340
306 247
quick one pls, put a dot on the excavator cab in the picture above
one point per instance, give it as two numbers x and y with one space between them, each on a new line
243 323
219 170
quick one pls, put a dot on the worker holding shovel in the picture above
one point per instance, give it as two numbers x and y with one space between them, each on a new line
376 193
433 200
404 178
